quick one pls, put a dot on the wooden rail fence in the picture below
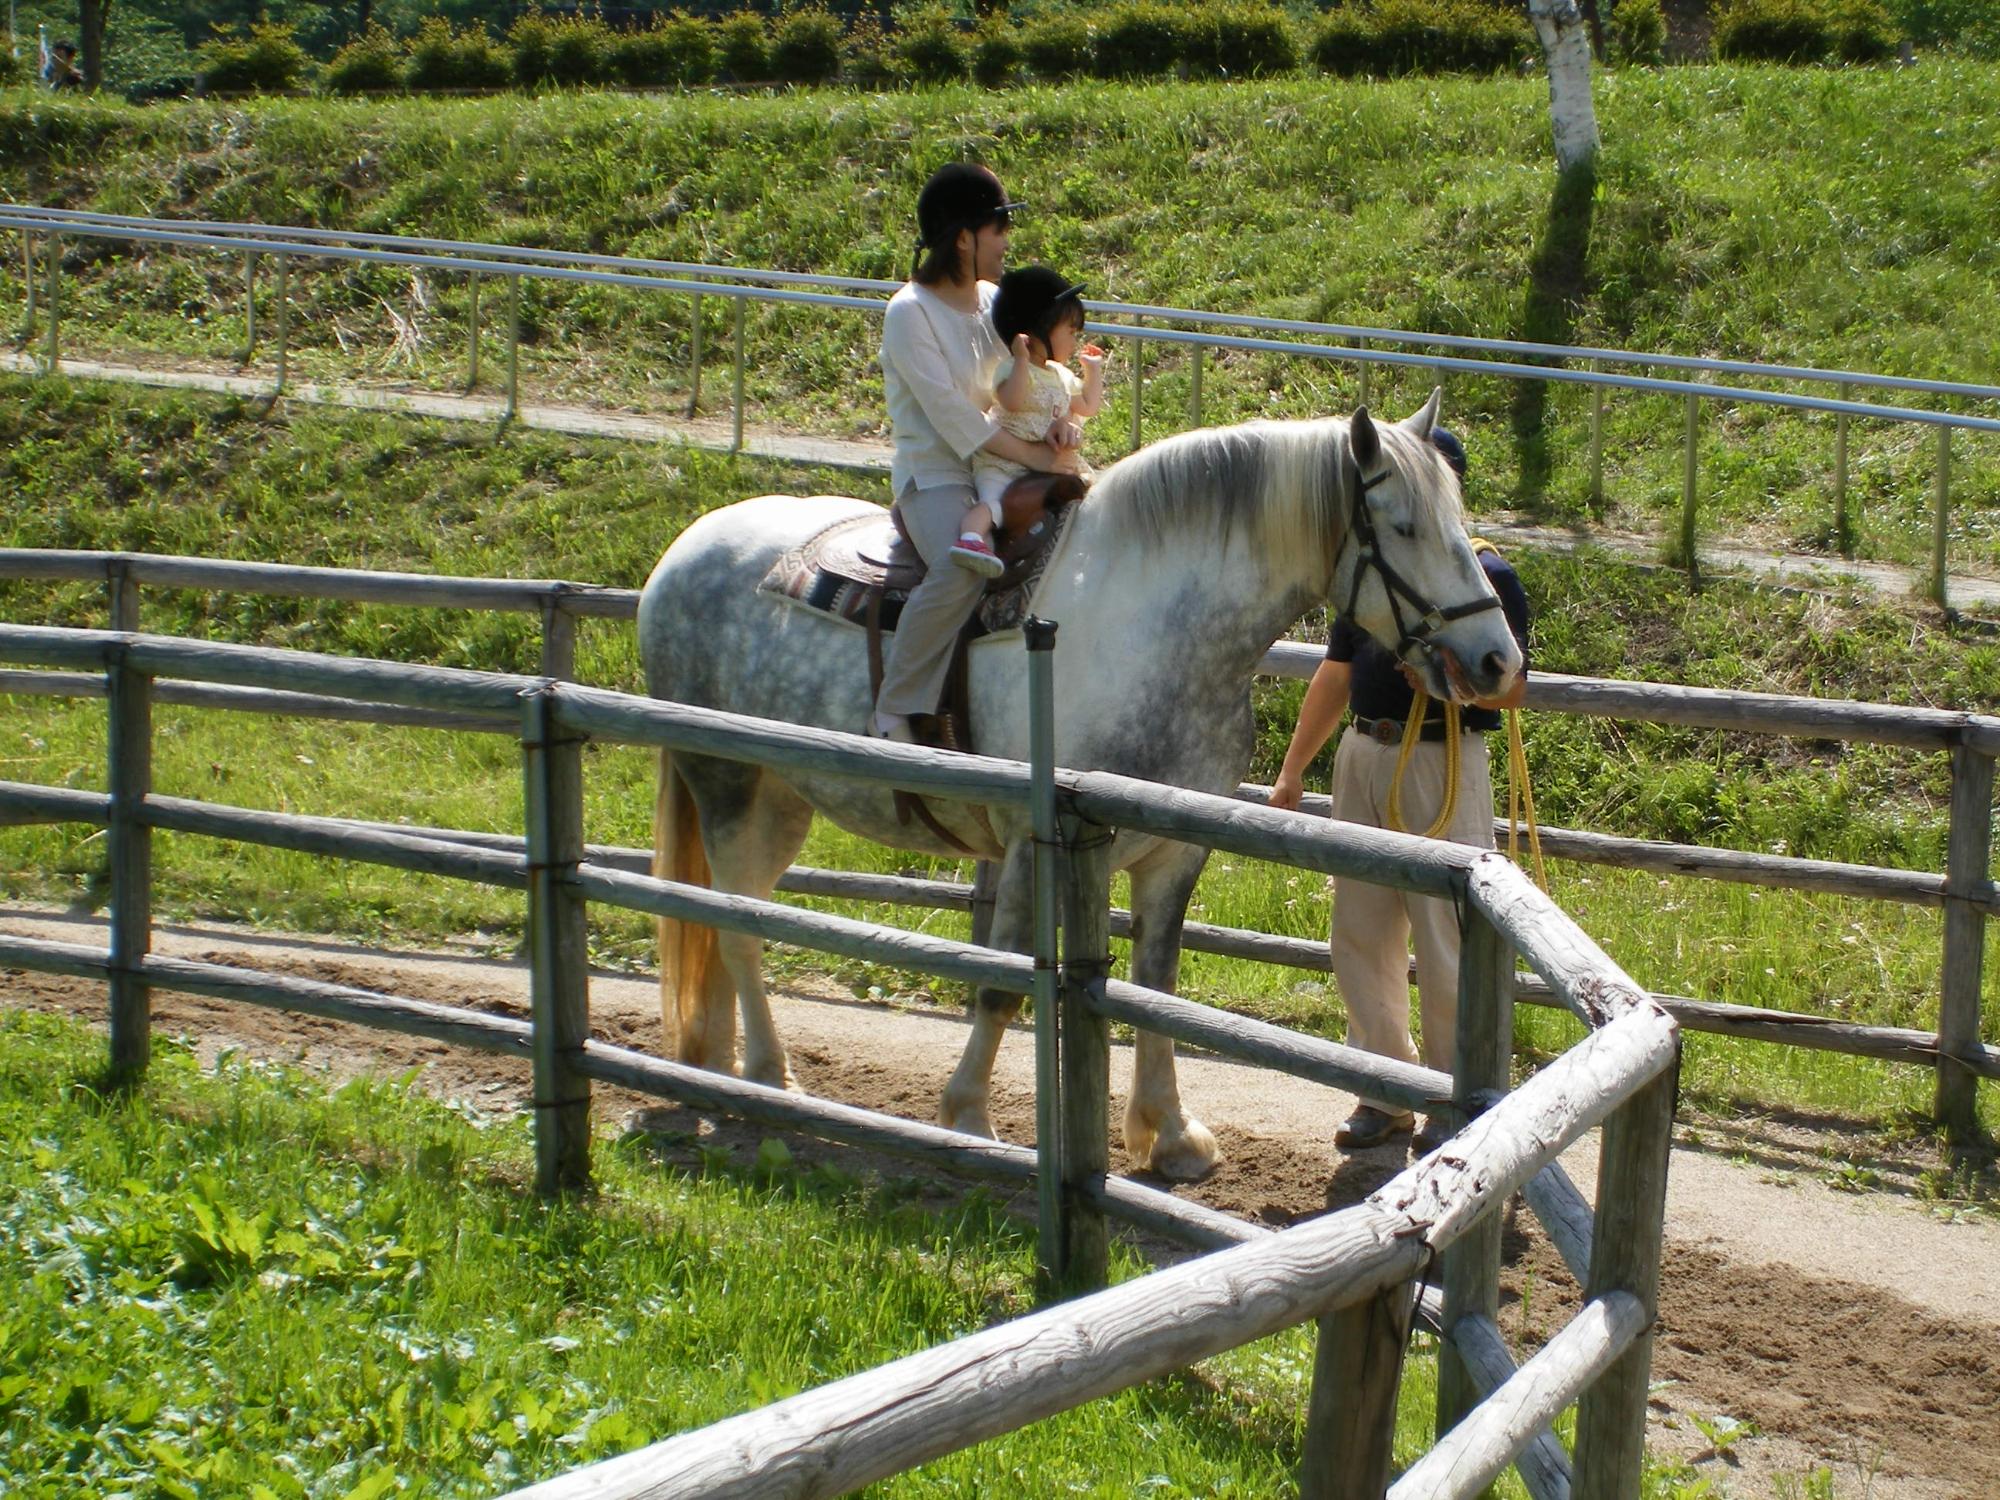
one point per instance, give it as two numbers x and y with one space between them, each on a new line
1355 1272
1965 890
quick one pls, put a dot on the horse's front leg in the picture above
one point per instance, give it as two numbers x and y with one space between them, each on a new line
1159 1133
967 1100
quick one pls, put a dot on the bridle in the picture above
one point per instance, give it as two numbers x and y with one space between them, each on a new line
1428 618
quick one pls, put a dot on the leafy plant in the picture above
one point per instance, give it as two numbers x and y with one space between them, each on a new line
443 59
1804 31
997 53
743 47
370 64
1238 41
266 60
1636 33
1058 46
867 59
1137 41
673 51
805 47
930 47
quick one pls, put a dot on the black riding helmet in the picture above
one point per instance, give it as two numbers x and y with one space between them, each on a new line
1034 300
959 196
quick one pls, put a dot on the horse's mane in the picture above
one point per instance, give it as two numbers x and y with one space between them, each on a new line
1280 482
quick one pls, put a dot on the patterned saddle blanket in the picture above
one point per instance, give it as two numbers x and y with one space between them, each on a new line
837 569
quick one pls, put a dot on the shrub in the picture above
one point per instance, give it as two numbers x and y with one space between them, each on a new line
1970 26
265 61
996 53
580 56
444 60
12 69
1058 47
1792 31
930 48
1863 31
1636 34
746 55
370 64
1239 41
805 47
870 62
673 51
1422 36
1137 41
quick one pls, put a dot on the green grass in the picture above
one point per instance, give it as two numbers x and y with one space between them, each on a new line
318 485
1740 211
252 1280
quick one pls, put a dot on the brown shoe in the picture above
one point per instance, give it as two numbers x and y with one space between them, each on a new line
1369 1127
1435 1132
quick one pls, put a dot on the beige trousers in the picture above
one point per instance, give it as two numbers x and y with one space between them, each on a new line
919 652
1373 926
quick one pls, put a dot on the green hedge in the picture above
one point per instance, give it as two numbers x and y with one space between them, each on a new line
1804 31
1133 39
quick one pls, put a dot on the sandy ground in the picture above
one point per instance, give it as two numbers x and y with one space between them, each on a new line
1858 1332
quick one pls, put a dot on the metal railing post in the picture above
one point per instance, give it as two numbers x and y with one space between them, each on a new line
1597 440
28 281
1085 1055
129 845
1625 1257
284 318
55 303
472 338
1941 519
1843 529
558 946
694 361
249 306
1367 373
1138 387
736 385
513 348
1051 1251
1482 1064
1689 472
1194 388
1968 853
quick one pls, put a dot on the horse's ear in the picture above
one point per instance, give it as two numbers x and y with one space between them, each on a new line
1364 441
1422 423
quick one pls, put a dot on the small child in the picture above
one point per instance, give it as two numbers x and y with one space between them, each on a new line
1037 397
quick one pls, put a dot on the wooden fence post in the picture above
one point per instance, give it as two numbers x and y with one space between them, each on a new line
1625 1256
1085 1056
130 845
1351 1418
558 956
1051 1232
1967 857
558 641
1482 1063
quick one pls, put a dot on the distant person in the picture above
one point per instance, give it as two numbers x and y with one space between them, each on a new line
1038 316
939 354
59 70
1373 925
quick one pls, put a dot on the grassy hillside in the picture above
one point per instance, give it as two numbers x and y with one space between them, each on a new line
1838 219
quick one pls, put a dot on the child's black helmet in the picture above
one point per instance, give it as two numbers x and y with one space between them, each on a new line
1033 300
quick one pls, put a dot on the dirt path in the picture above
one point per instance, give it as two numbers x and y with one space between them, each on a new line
1857 1332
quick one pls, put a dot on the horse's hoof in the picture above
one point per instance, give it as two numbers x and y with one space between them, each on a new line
775 1075
966 1120
1184 1155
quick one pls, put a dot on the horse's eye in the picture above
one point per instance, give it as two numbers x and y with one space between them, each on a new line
1406 531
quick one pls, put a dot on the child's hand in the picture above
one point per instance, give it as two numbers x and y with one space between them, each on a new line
1019 349
1092 358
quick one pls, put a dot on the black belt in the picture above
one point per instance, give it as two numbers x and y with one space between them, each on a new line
1390 731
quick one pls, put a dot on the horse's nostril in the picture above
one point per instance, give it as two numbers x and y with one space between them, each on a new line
1494 668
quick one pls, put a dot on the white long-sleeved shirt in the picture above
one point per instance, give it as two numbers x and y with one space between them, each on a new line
937 373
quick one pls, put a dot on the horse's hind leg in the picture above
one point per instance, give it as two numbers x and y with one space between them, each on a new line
760 828
966 1103
1159 1133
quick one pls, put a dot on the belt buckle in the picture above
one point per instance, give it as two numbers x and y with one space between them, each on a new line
1383 731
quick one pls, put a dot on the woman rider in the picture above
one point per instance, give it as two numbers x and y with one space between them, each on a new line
939 353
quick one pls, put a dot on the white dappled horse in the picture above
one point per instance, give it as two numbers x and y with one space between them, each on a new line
1186 561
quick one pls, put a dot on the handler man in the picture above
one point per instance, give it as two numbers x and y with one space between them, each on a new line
1372 924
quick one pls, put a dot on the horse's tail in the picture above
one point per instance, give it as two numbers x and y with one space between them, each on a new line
687 949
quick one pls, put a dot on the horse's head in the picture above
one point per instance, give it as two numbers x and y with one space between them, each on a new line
1406 572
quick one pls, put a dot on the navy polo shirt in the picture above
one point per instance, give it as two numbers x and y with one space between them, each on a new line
1378 690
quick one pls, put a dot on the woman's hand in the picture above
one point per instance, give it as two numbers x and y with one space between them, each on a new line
1064 432
1063 458
1287 790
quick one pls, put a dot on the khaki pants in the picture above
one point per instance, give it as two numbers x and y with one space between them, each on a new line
1373 926
919 652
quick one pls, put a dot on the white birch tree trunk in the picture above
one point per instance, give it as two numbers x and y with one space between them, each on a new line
1565 41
